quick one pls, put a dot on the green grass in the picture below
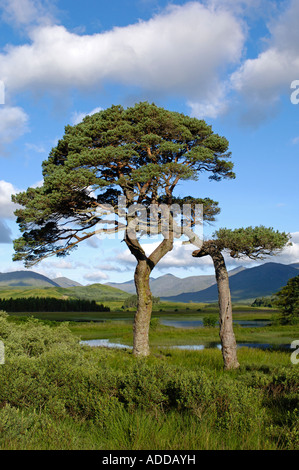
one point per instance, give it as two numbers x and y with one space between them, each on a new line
117 325
56 394
97 292
165 336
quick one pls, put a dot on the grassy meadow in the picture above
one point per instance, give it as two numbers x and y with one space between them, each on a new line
56 393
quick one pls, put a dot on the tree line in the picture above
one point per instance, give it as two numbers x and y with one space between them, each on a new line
50 304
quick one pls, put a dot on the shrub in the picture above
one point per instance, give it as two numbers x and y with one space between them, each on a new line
209 321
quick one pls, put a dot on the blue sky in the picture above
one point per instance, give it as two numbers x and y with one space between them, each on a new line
230 62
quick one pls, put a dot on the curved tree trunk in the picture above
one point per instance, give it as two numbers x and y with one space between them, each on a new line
144 309
145 265
227 336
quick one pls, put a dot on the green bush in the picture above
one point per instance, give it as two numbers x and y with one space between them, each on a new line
50 382
34 338
209 321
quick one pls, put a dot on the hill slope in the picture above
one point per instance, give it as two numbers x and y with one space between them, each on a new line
65 282
25 278
249 284
97 292
169 285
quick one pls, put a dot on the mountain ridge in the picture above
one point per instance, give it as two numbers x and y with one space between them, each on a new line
25 279
168 284
66 282
260 281
245 283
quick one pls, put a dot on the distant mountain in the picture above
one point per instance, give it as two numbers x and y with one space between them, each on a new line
295 265
65 282
97 292
248 284
169 285
25 278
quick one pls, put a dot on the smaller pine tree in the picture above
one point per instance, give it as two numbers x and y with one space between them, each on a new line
287 300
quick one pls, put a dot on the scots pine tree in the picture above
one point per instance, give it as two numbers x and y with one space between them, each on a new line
139 154
252 242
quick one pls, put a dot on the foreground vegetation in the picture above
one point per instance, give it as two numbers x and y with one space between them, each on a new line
58 394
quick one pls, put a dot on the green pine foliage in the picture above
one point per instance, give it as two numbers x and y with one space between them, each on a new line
140 153
287 300
263 302
253 242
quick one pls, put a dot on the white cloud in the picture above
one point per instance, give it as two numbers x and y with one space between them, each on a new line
183 50
96 276
289 254
13 123
264 79
107 267
38 184
78 117
5 233
24 12
35 148
7 207
181 257
214 104
62 264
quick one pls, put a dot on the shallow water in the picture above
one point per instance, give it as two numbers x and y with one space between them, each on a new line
199 323
104 343
191 347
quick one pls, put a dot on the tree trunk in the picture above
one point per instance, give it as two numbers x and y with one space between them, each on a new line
145 265
144 309
227 336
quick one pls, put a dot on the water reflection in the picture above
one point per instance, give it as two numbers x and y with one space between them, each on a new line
199 323
190 347
104 343
200 347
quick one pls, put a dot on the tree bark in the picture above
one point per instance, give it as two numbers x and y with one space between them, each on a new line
226 333
145 265
227 336
144 309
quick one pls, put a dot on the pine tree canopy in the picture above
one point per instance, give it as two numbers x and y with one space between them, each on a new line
287 300
252 242
140 153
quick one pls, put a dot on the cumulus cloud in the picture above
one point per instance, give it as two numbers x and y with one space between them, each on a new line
5 233
182 50
78 117
95 276
181 257
7 207
13 123
290 254
25 12
264 79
